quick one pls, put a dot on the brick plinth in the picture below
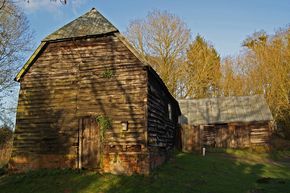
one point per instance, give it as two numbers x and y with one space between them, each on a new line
25 162
126 163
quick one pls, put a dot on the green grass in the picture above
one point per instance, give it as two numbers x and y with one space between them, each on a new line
230 172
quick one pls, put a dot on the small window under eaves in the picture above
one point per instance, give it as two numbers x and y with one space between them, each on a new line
169 111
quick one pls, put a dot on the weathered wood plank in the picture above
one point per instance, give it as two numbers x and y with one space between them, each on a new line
65 84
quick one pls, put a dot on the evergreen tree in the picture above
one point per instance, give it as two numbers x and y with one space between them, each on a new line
201 70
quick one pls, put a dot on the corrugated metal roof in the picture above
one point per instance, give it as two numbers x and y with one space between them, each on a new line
224 110
91 23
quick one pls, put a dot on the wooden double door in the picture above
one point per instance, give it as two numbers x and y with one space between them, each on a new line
89 143
209 134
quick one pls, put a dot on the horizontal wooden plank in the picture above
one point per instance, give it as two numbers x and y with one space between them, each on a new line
66 84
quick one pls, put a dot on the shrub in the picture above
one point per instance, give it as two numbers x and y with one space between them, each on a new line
5 135
279 143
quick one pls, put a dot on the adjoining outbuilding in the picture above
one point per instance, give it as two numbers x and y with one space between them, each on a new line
88 100
227 122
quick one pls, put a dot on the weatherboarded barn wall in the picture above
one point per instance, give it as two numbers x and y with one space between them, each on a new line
65 84
72 79
163 112
228 122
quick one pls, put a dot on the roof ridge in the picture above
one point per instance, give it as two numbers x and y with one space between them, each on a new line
90 23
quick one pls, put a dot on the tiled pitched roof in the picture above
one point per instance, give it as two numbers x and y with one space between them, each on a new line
91 23
225 110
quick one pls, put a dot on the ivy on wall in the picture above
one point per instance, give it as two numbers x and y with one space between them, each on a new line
105 123
107 73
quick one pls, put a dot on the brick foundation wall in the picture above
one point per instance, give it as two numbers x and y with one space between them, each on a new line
26 162
126 163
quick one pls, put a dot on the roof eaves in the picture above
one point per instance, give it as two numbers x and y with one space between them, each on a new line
30 61
145 62
80 37
131 48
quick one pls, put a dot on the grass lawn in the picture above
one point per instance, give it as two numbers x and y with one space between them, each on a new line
230 172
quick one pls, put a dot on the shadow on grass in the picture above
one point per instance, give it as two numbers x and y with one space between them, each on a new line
211 174
183 173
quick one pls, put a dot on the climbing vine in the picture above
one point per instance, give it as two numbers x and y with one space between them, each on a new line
104 123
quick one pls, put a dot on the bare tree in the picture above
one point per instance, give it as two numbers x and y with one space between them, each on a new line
161 38
270 70
263 68
234 80
15 38
271 67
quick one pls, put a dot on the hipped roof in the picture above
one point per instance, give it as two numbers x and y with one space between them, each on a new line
91 23
225 110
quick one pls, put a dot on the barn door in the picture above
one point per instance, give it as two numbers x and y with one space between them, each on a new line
209 135
90 143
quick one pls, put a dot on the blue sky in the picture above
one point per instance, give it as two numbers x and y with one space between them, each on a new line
225 23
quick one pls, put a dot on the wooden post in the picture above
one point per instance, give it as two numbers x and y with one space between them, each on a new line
201 128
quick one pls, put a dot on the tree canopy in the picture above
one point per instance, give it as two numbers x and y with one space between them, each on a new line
201 72
195 70
162 38
263 68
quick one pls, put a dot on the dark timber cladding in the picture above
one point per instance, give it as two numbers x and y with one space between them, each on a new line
82 71
236 122
163 112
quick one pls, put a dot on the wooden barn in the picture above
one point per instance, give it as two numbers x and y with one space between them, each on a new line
226 122
88 100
